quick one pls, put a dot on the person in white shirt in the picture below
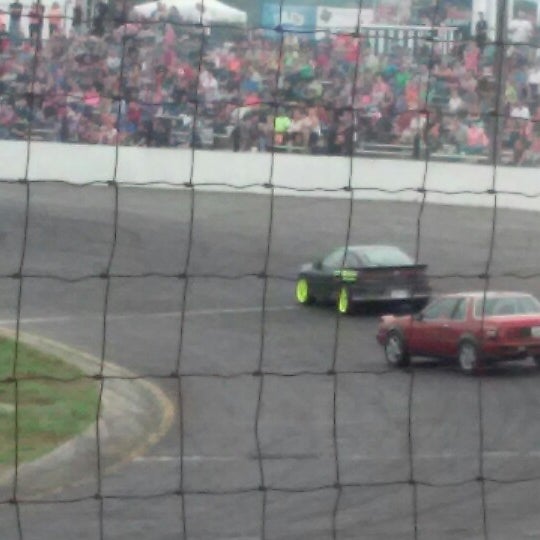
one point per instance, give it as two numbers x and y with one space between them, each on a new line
520 30
209 85
521 111
455 103
533 80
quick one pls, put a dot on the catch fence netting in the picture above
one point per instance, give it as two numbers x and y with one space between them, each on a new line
360 497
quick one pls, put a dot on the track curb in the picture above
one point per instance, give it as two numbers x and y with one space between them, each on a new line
135 415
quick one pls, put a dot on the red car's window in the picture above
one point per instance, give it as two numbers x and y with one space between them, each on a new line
440 309
460 311
507 305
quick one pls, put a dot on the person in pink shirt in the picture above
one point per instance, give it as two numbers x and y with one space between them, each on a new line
412 93
251 100
477 140
380 90
92 97
471 58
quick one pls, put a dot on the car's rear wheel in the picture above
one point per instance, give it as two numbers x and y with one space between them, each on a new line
468 357
303 292
395 351
344 302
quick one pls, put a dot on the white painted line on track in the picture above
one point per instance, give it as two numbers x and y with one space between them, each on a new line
168 459
165 314
503 454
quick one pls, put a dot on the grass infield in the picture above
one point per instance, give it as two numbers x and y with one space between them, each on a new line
49 411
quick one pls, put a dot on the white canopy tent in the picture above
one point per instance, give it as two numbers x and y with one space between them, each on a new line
213 11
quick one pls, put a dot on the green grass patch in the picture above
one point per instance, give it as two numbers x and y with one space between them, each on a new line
49 411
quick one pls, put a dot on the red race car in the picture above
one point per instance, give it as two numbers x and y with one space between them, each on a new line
461 327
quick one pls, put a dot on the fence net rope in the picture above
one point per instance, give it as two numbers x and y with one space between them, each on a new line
263 488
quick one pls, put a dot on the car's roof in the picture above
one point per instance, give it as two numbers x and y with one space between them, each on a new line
489 294
368 247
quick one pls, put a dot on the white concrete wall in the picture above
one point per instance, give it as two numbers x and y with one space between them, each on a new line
291 174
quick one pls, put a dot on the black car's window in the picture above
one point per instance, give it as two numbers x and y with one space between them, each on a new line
507 305
440 309
385 256
460 311
334 260
351 260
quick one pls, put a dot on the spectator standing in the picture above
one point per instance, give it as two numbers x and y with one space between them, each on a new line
33 24
520 30
55 19
76 23
41 20
99 18
481 32
120 15
15 13
4 35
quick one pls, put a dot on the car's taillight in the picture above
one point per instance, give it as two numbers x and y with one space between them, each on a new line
491 332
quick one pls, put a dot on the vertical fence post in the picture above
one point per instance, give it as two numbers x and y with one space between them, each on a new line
500 85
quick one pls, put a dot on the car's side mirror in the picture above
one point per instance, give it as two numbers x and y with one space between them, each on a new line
317 265
418 316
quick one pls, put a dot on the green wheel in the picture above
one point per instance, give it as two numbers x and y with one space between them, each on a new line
303 295
344 304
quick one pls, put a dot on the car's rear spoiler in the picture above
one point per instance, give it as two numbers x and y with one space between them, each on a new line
370 269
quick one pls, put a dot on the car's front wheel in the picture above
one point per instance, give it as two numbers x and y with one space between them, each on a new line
303 292
395 351
468 357
344 302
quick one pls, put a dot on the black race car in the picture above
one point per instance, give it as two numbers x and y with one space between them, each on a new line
363 274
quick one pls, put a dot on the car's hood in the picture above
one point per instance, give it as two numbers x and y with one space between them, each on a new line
396 319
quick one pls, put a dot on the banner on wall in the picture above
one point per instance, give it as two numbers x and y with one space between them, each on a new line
451 12
342 19
526 8
291 18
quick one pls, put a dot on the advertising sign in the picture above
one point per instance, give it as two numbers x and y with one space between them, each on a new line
291 18
342 19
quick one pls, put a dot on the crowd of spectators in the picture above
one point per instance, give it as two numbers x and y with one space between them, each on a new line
130 80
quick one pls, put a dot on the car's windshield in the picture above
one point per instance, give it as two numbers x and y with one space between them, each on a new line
383 256
507 305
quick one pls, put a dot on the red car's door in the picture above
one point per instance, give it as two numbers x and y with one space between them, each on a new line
425 332
452 329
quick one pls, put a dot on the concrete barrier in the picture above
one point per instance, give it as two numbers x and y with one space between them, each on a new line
291 174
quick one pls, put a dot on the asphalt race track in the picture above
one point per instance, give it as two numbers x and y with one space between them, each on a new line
70 231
